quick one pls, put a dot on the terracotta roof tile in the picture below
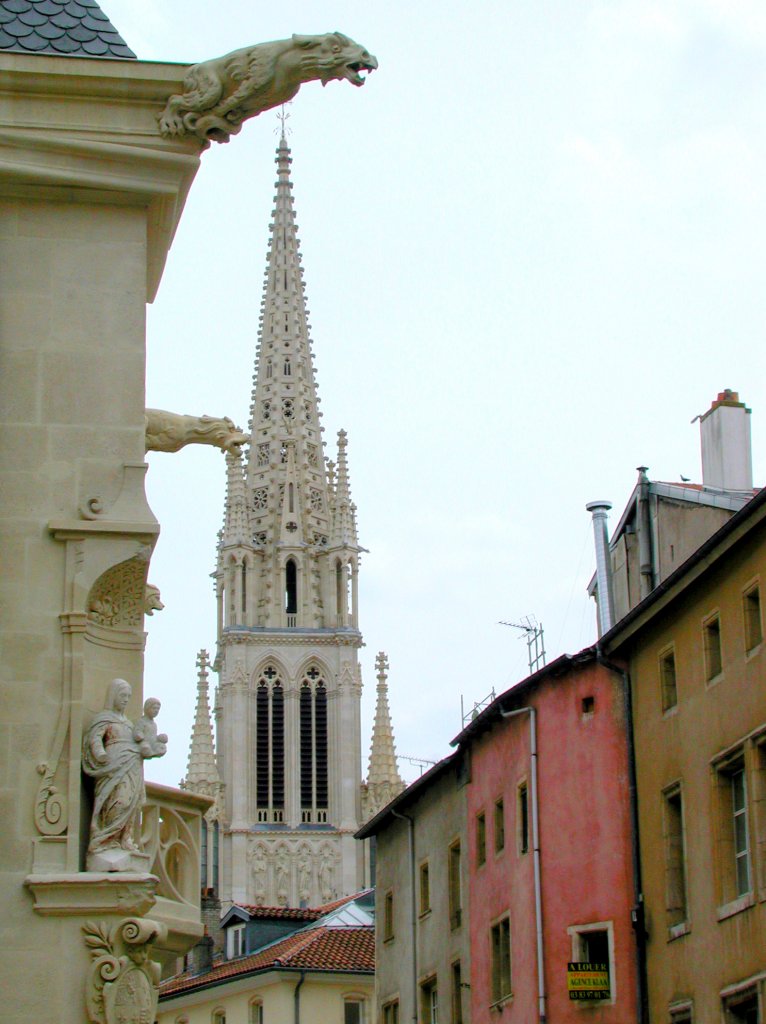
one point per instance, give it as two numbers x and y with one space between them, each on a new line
311 949
297 913
73 27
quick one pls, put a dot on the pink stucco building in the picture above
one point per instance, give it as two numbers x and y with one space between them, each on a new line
550 865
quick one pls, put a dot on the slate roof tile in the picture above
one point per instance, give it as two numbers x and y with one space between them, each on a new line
314 949
76 27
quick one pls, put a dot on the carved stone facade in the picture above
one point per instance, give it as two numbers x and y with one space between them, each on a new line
123 985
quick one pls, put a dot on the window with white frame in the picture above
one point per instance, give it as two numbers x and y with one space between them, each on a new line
593 943
353 1010
429 1002
235 940
734 828
711 637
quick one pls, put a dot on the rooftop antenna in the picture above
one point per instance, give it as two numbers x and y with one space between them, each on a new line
533 632
420 762
477 707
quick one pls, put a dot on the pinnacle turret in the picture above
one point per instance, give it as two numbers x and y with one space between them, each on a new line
236 528
343 509
202 771
383 779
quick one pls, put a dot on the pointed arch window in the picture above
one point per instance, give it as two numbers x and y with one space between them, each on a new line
313 747
269 367
291 588
244 588
270 747
288 367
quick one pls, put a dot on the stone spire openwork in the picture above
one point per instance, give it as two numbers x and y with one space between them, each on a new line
383 779
202 771
287 719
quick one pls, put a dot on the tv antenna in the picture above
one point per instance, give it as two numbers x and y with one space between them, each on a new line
420 762
533 632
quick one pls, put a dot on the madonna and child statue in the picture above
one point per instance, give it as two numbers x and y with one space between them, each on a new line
113 755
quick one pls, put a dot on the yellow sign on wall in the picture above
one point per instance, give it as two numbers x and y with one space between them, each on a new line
588 981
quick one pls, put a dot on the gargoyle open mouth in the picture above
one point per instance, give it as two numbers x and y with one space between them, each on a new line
355 68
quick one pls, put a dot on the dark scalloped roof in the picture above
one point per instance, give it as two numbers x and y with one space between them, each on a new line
70 28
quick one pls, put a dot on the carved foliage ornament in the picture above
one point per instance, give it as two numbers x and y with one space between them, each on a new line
123 983
222 93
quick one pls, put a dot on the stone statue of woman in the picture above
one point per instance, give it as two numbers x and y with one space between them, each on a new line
112 756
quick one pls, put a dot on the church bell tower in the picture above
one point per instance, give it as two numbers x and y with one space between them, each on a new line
287 708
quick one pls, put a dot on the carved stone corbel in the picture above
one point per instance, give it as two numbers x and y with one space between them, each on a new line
123 983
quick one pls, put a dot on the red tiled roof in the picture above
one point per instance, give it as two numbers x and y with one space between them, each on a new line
312 949
297 913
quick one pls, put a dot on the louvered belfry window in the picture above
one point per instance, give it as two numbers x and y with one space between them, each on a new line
313 748
270 747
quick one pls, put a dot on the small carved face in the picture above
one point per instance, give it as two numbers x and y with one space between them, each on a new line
152 707
346 59
122 694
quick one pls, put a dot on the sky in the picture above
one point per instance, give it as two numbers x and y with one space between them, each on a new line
534 249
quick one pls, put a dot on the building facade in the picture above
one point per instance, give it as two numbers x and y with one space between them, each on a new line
696 659
549 849
423 947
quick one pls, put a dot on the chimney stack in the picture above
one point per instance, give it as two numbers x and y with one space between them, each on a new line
598 510
727 461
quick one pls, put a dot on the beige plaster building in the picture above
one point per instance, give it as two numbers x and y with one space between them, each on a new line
282 965
695 654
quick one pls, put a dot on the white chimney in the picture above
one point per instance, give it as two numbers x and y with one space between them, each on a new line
598 511
727 460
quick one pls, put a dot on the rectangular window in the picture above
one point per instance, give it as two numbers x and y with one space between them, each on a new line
594 944
668 679
752 612
675 857
425 889
499 824
429 1002
457 993
740 832
481 839
352 1011
523 818
391 1012
388 916
742 1007
455 887
236 940
734 829
712 646
500 949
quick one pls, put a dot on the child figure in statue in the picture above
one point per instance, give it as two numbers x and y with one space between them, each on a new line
145 734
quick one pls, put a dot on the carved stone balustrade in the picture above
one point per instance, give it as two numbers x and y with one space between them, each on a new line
171 824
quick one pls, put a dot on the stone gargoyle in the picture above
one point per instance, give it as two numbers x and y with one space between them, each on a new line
220 94
170 431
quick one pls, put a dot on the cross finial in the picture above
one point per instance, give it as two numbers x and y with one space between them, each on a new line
282 117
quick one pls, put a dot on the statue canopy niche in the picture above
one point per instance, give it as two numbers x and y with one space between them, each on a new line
222 93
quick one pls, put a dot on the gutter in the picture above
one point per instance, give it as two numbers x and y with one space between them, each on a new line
413 910
637 914
541 1015
297 998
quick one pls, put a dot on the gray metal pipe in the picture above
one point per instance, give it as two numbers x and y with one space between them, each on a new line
598 511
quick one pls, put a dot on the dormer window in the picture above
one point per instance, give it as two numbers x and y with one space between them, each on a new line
235 940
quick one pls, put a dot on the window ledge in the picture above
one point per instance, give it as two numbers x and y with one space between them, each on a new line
676 931
669 712
754 651
735 906
424 914
499 1005
713 681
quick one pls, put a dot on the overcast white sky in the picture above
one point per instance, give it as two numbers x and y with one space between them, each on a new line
534 250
